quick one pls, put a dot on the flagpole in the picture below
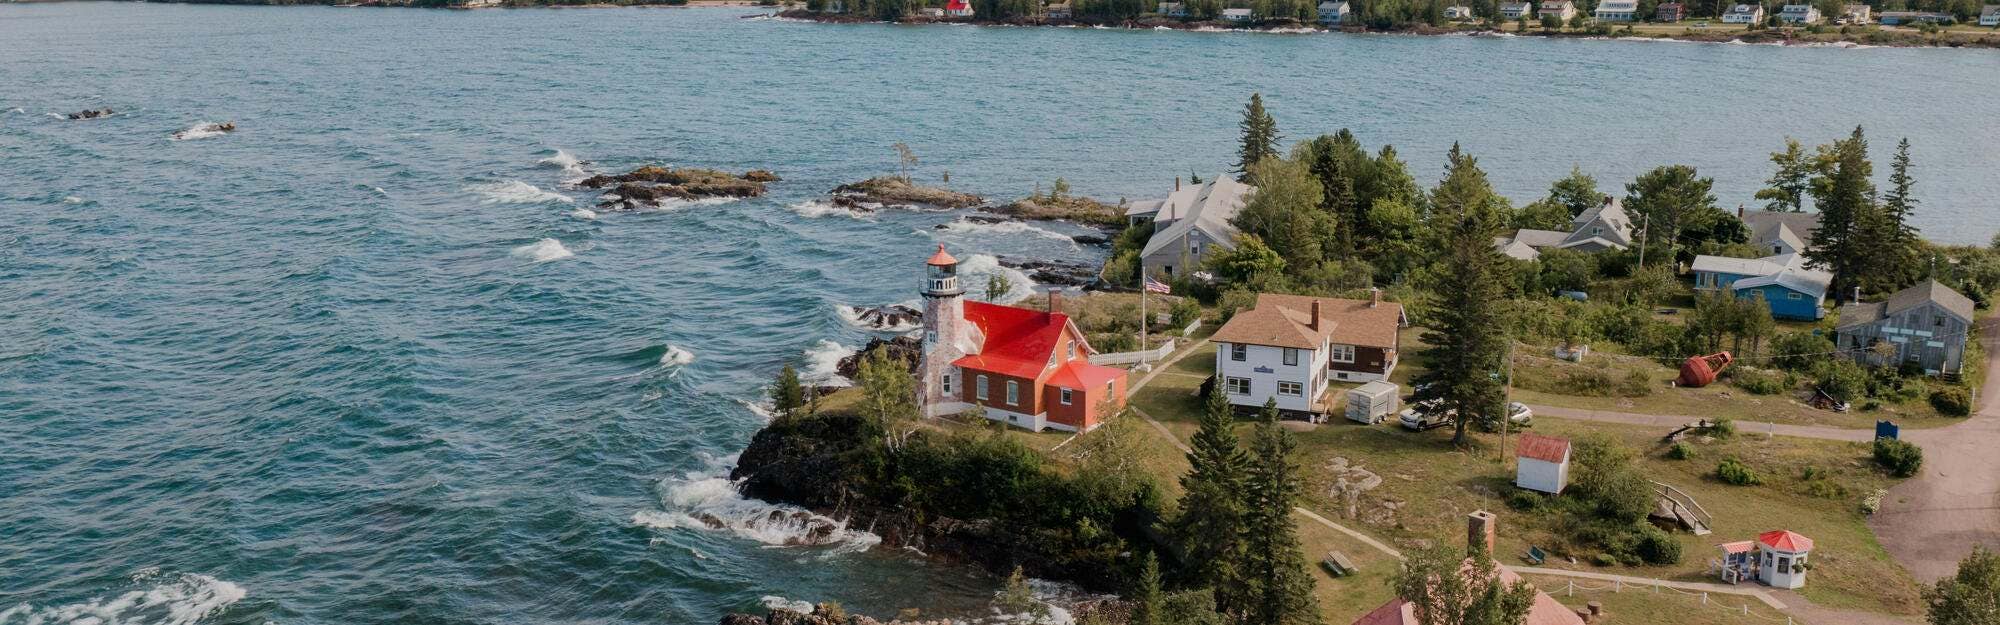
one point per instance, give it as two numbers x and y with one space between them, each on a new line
1144 288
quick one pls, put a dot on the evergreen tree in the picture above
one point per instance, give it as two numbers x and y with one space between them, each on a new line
1466 335
1787 190
1209 530
788 395
1281 585
1260 138
1334 160
1845 198
1285 212
1893 244
1145 596
1972 596
1576 192
1677 203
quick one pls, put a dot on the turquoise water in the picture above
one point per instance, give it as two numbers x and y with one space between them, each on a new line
327 370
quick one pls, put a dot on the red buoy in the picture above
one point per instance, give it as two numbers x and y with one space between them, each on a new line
1699 371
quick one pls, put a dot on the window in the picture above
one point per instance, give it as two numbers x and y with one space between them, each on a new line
1238 352
1291 357
1937 320
979 387
945 381
1239 386
1343 353
1065 397
1013 393
1111 389
1794 296
1291 389
1595 231
1072 350
1052 362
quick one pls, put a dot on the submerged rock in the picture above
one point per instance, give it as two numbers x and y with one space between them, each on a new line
90 114
651 185
895 317
896 191
205 129
822 614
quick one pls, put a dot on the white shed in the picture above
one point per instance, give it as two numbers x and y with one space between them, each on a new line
1372 402
1541 463
1781 558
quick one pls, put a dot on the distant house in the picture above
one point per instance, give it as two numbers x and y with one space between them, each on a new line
1287 348
1188 224
1237 15
1516 10
1617 11
958 8
1601 228
1541 463
1561 9
1897 18
1333 13
1857 13
1779 232
1172 9
1799 14
1058 11
1670 12
1989 15
1788 287
1458 12
1744 14
1927 325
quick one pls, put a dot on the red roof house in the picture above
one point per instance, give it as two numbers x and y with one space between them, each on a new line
1029 368
958 8
1786 541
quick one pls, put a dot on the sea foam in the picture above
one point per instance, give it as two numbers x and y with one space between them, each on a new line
182 599
571 166
709 501
823 363
983 266
543 251
676 357
514 192
202 130
821 208
965 228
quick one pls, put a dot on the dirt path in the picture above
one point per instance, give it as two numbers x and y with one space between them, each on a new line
1673 421
1931 521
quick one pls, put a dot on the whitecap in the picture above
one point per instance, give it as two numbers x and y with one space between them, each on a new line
514 192
820 208
201 130
774 602
764 409
543 251
968 228
852 316
71 199
674 204
823 363
379 191
676 357
708 501
18 110
977 269
182 599
571 166
583 213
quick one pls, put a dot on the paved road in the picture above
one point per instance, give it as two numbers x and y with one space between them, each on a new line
1931 521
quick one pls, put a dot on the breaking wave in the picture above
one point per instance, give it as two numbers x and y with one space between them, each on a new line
543 251
982 266
774 602
571 166
708 501
202 130
986 229
821 208
674 356
853 318
515 192
182 599
583 213
823 363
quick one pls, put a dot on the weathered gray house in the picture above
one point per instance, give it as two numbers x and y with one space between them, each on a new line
1187 223
1927 324
1603 227
1780 232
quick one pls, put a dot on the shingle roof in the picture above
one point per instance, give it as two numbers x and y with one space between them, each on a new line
1543 448
1282 321
1208 208
1785 540
1929 291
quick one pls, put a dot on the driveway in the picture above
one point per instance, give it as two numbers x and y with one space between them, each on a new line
1931 521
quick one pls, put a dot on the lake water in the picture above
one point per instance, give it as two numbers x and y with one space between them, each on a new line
365 360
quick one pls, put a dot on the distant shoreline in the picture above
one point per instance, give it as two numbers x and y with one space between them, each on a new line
1873 37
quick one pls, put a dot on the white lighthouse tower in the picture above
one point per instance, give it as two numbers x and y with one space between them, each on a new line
947 337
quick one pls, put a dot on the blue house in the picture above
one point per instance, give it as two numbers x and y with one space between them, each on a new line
1791 289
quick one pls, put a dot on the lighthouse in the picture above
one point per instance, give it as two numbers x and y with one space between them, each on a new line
947 337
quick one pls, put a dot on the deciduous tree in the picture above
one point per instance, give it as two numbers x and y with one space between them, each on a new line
1972 596
1786 190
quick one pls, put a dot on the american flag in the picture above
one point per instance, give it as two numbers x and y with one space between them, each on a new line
1157 286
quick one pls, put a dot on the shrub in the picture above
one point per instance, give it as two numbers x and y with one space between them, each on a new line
1656 546
1723 429
1842 379
1759 382
1733 471
1525 500
1637 384
1901 458
1234 300
1185 312
1826 489
1589 383
1604 559
1952 401
1680 451
1800 351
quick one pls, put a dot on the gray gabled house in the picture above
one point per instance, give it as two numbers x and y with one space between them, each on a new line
1926 324
1187 224
1603 227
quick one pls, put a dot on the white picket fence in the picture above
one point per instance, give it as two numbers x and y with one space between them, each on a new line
1126 358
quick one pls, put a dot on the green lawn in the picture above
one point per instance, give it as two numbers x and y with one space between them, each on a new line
1645 606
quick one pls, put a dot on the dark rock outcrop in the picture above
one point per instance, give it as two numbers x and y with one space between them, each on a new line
90 114
822 614
894 317
1053 272
222 127
907 348
895 191
650 185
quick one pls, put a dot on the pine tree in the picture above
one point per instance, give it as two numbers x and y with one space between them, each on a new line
1970 597
788 395
1787 190
1893 244
1845 198
1284 212
1466 335
1145 596
1445 588
1281 586
1678 205
1260 138
1209 530
1576 192
1336 161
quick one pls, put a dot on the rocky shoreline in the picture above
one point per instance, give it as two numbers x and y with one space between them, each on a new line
1871 37
650 186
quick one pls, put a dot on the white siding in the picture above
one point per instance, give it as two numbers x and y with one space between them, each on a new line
1541 475
1265 366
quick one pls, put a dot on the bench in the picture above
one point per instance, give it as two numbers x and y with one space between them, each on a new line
1536 555
1338 564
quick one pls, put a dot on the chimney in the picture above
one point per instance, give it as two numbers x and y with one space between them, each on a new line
1055 301
1608 199
1177 183
1857 294
1374 297
1479 528
1314 324
1739 212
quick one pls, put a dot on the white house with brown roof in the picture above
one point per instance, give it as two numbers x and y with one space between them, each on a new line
1289 347
1744 14
1989 15
1561 9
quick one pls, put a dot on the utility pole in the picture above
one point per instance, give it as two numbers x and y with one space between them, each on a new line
1506 406
1645 225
